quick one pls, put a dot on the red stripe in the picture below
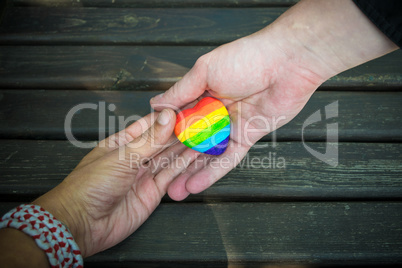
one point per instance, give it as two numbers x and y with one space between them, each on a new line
194 117
199 105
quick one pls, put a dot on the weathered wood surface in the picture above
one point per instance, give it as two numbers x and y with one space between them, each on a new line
280 206
222 234
366 171
109 26
155 3
41 114
3 6
101 68
149 68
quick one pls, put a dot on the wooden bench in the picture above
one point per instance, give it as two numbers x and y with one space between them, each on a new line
55 54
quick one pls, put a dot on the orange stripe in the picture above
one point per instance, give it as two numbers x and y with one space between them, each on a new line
206 110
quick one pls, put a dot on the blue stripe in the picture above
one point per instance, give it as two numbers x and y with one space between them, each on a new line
218 149
213 140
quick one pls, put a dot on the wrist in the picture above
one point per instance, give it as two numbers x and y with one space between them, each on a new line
14 244
63 208
328 37
49 234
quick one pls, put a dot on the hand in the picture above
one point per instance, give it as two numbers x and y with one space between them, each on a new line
260 93
265 79
113 190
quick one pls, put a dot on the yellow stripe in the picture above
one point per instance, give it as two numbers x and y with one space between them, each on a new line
203 123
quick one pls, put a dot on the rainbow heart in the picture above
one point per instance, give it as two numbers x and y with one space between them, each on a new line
204 128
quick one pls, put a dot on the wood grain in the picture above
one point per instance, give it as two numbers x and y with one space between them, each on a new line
155 3
41 114
256 234
95 68
280 206
109 26
366 171
3 7
149 68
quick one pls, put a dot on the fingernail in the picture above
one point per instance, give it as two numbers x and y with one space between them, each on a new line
164 117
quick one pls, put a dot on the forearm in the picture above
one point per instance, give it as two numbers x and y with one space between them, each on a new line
20 250
328 36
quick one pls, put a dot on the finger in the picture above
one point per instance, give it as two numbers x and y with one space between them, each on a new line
177 166
175 149
163 159
188 89
120 138
128 134
152 141
216 168
177 189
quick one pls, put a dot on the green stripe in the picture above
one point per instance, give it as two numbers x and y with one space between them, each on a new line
208 132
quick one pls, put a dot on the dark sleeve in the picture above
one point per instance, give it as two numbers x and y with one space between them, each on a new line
386 15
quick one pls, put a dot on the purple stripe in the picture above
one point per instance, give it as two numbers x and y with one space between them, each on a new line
219 148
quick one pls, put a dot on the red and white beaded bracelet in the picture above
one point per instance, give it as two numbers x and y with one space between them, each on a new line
49 234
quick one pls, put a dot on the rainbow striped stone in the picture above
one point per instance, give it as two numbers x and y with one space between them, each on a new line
204 128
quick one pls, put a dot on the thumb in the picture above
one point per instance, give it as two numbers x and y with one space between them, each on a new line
154 140
187 90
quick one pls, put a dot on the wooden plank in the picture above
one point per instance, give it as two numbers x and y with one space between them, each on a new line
95 68
149 67
48 163
155 3
38 114
3 7
31 114
379 74
254 234
108 26
366 171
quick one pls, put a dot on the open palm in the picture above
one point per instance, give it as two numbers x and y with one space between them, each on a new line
262 89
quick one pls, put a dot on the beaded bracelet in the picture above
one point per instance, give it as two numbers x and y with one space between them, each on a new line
49 234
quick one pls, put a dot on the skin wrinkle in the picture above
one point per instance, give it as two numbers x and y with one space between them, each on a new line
301 65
